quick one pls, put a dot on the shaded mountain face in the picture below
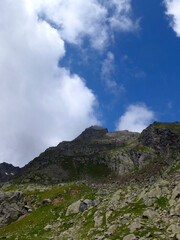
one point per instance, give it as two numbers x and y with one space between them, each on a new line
99 154
7 171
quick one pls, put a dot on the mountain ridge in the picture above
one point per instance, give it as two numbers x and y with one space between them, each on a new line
117 153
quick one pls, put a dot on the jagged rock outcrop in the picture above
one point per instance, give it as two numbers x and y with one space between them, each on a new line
161 136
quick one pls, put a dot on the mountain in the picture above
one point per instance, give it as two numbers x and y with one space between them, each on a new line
7 171
118 185
97 154
89 156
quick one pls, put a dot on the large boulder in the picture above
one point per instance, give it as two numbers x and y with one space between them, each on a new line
81 205
12 206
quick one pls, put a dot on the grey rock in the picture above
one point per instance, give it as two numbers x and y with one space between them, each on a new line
130 237
135 225
111 230
174 228
12 206
81 205
150 214
98 220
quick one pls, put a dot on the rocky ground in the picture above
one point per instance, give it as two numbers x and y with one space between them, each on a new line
135 210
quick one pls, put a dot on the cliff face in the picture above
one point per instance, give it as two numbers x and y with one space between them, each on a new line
97 153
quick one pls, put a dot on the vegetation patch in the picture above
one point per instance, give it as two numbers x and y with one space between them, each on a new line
162 202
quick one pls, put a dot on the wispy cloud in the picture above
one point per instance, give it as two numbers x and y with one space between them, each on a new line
108 74
95 19
136 118
107 71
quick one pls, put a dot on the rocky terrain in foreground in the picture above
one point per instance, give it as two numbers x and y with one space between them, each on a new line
119 185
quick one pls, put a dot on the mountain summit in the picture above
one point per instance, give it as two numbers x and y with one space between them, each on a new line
99 154
93 132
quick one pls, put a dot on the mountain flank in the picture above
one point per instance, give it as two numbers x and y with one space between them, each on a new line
97 154
100 186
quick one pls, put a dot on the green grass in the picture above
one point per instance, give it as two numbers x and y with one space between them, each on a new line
162 202
135 208
11 188
151 230
34 223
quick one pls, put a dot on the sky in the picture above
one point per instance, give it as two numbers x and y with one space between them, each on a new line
68 64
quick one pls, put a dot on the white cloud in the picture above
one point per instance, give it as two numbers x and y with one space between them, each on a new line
136 118
107 75
41 103
107 71
95 19
173 11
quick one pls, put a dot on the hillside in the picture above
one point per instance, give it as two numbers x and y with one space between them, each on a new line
102 185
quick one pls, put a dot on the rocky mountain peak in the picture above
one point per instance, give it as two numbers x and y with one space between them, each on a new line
7 171
93 132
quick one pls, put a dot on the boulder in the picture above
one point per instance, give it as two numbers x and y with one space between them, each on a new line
177 210
150 214
178 236
135 225
174 228
130 237
98 220
81 205
12 206
76 207
111 230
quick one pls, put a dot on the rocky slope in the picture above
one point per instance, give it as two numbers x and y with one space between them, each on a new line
94 154
101 185
98 154
80 210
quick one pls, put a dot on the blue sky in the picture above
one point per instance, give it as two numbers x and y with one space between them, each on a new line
68 64
146 67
